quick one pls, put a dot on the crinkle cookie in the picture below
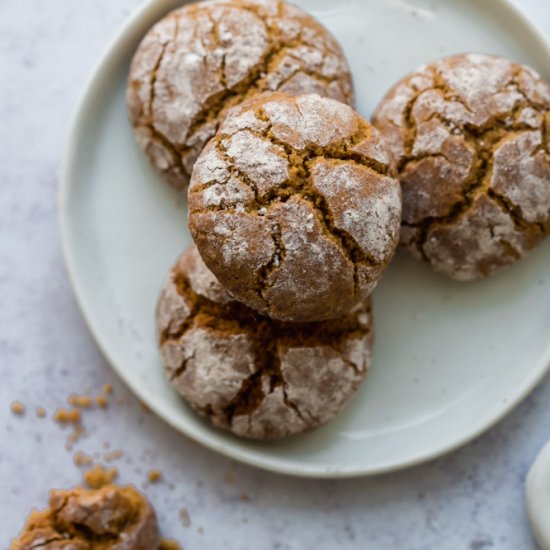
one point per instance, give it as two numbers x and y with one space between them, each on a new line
258 378
207 56
109 518
470 135
294 207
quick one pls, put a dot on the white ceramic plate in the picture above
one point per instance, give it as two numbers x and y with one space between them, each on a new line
537 494
450 359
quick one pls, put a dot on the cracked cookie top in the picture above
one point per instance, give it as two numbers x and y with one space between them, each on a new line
470 135
205 57
294 207
258 378
109 518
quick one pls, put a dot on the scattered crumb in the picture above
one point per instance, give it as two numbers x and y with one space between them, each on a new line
74 436
98 476
244 497
108 389
185 517
40 412
67 416
17 408
154 476
101 401
168 544
144 407
80 401
109 456
82 459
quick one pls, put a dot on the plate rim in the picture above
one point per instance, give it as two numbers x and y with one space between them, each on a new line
203 436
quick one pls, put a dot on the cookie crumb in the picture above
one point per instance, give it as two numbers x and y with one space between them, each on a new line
82 459
74 436
40 412
109 456
80 401
154 476
17 408
108 389
169 544
101 401
67 416
99 476
185 517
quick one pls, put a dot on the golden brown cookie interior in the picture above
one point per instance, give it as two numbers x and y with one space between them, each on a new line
108 518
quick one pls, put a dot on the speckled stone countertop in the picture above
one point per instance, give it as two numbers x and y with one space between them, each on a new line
471 499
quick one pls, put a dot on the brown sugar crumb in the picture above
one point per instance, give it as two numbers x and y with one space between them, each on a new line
67 416
99 476
110 456
108 389
80 401
154 476
185 517
17 408
40 412
169 544
74 436
101 401
82 459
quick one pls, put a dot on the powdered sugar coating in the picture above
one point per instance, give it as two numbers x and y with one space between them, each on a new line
469 134
259 378
207 56
297 216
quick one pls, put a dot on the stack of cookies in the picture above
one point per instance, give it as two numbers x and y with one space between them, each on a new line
295 201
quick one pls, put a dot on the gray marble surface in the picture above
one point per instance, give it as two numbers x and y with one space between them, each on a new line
471 499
